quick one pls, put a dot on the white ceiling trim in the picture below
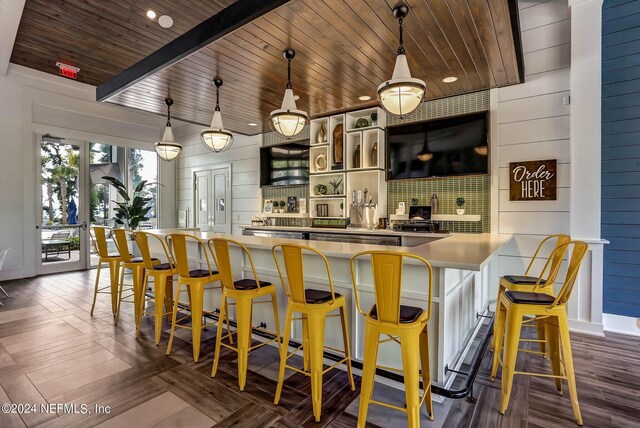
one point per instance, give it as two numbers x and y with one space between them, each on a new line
10 14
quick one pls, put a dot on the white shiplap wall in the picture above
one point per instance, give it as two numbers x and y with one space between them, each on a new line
533 124
244 157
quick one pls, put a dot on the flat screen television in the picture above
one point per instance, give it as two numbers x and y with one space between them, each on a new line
445 147
284 165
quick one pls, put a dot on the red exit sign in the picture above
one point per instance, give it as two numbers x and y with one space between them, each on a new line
67 70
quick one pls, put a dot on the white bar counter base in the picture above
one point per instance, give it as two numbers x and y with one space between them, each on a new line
463 265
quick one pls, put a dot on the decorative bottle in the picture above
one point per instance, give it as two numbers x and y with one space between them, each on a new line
321 136
434 204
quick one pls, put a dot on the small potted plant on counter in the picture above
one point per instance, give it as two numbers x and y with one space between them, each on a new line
460 204
281 206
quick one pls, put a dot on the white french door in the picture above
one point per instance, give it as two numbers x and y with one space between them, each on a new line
212 199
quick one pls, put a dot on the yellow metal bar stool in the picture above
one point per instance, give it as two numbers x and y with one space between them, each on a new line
552 311
122 237
314 305
99 238
539 283
195 281
243 292
405 325
162 274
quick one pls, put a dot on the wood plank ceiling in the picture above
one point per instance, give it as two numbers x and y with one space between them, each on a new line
345 49
101 37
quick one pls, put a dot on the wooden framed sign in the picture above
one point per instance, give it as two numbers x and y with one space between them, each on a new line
533 180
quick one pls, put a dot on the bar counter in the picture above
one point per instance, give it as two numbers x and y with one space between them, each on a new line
463 268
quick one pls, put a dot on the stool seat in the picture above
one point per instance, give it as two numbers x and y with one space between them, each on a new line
529 297
141 260
249 284
408 314
201 273
315 297
163 266
522 279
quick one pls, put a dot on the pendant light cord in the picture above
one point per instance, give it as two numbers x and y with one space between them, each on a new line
217 98
289 86
401 48
169 115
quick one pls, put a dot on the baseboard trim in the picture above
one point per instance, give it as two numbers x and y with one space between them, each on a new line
584 327
621 324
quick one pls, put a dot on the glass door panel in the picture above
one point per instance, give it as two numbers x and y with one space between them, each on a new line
62 224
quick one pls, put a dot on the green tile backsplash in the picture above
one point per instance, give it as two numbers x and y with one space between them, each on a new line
278 193
475 190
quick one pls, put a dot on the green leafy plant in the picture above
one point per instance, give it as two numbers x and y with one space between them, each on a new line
460 202
335 183
414 202
134 209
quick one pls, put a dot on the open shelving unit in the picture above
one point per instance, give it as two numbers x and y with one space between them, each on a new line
362 166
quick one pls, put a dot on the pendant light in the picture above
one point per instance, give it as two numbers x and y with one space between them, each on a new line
425 155
216 138
168 149
402 94
288 120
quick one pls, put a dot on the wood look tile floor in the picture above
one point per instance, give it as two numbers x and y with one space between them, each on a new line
52 351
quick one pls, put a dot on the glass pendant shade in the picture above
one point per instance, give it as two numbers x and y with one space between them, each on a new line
216 138
482 150
426 156
167 148
288 120
402 94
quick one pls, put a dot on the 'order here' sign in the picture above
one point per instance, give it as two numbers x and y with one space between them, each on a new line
533 180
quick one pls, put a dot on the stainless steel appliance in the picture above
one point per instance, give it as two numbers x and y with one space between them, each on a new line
276 234
356 239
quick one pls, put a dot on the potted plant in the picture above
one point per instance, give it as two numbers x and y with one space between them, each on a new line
414 202
460 204
281 206
335 184
134 209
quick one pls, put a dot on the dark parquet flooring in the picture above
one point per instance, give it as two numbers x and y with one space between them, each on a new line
53 352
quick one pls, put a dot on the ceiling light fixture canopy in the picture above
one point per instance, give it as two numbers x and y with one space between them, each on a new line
216 138
288 120
402 94
168 149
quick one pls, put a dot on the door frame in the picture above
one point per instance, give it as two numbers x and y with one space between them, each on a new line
228 203
83 214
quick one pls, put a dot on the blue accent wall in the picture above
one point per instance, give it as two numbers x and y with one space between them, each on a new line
621 155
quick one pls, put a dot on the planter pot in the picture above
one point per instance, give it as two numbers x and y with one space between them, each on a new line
460 211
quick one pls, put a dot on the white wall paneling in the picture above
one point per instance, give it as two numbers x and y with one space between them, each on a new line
244 157
535 122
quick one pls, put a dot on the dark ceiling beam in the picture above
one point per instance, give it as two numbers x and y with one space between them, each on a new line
219 25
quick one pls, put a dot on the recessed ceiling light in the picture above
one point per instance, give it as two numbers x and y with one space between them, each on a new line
364 98
165 21
450 79
252 124
151 14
